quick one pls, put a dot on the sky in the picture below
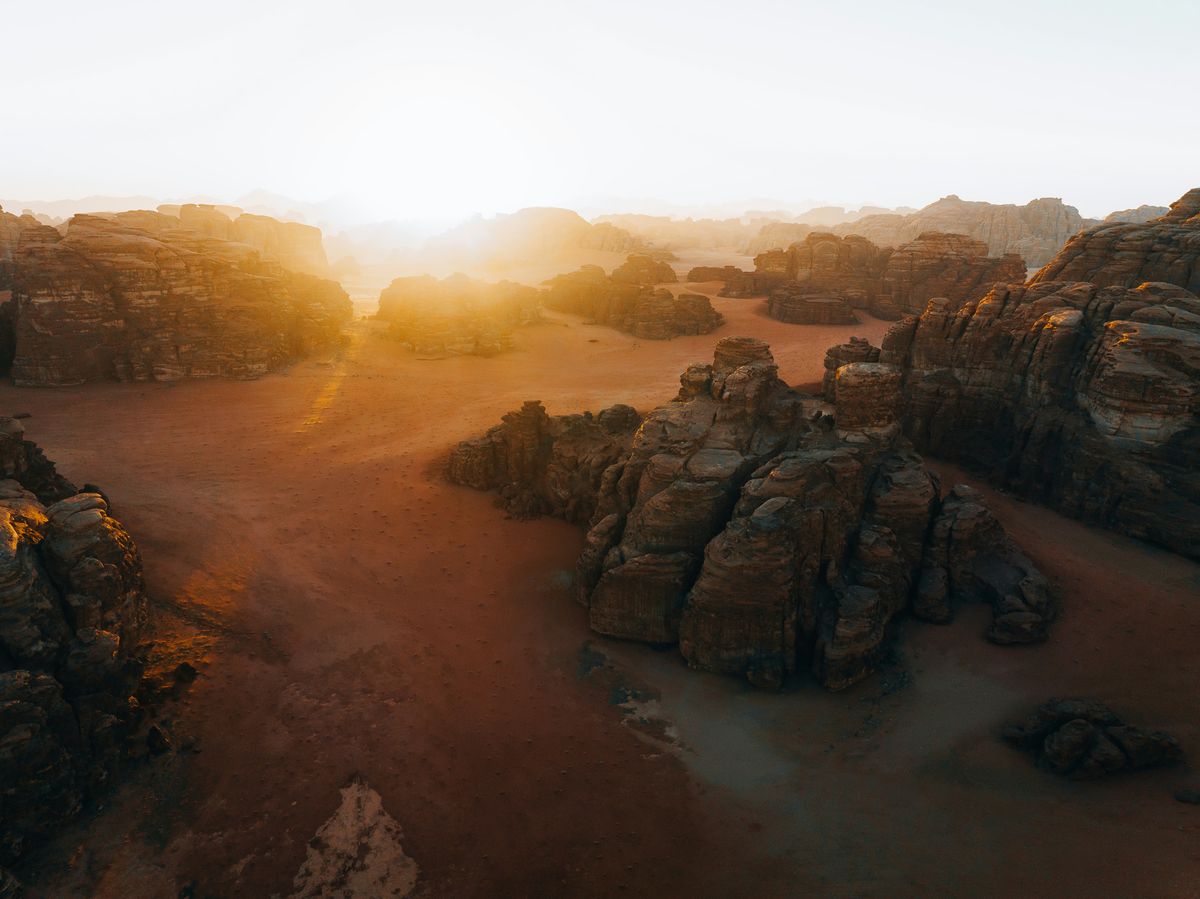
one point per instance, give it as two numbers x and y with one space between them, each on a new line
446 108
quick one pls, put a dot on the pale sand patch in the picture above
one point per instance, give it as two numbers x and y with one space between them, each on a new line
357 853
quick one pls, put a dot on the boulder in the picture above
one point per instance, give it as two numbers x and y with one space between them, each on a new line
1083 739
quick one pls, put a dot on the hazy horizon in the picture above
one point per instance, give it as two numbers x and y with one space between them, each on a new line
418 113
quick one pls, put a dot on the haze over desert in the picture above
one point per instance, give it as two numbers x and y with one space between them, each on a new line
463 451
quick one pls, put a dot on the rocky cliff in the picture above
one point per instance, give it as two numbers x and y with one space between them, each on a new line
762 530
884 281
111 300
72 610
628 301
1083 397
1165 249
1035 231
456 315
295 246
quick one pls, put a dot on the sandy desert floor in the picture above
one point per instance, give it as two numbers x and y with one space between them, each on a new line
356 616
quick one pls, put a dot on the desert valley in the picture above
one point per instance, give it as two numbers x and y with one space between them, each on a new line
327 606
441 459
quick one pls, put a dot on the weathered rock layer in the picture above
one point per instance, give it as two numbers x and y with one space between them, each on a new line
761 529
456 315
629 302
1080 395
72 609
110 300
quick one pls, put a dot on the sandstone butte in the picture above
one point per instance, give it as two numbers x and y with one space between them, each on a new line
146 296
762 530
457 315
629 301
884 281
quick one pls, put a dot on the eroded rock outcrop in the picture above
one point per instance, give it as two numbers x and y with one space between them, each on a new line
1086 398
72 610
628 302
1084 739
884 281
457 315
761 529
1035 231
1164 249
108 300
800 305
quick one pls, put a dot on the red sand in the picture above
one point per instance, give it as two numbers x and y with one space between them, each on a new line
361 616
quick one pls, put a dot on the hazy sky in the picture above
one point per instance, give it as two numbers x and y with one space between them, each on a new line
447 107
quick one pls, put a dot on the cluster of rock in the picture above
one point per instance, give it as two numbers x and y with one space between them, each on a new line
72 610
761 529
1126 254
1084 739
294 245
136 297
457 315
628 301
1082 394
738 283
1035 231
884 281
800 304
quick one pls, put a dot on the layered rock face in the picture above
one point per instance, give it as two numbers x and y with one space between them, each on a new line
1083 397
1084 739
107 300
640 269
1138 216
72 609
627 302
1035 231
546 466
457 315
749 525
952 266
1165 249
884 281
295 246
801 305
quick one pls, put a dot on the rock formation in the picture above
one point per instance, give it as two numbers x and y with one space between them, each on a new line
1084 739
72 609
1035 231
952 266
1164 249
109 300
645 270
798 304
456 315
780 236
886 282
761 529
627 302
858 349
1138 216
295 246
1086 398
1081 394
